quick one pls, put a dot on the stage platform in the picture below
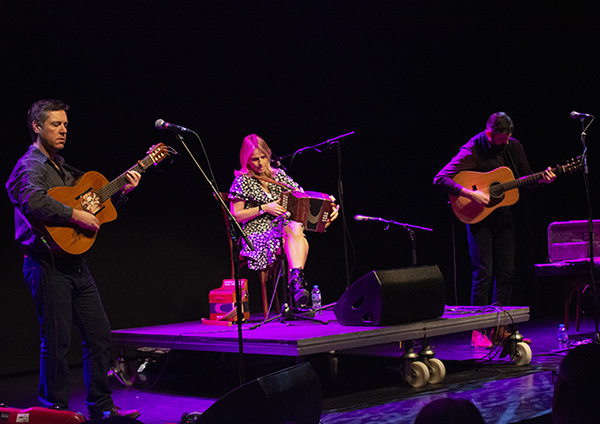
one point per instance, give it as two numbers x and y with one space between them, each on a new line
299 338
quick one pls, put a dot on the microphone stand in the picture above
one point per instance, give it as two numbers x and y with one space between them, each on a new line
288 312
343 212
234 230
329 143
592 264
409 228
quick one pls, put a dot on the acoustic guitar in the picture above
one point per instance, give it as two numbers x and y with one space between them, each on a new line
92 193
502 187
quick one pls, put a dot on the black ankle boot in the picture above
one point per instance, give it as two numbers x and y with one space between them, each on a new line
297 282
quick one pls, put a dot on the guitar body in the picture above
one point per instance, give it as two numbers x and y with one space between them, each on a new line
501 186
470 212
74 240
92 193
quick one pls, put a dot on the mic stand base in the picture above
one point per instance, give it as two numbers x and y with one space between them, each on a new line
290 314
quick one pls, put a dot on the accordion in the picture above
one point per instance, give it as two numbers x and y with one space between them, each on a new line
309 208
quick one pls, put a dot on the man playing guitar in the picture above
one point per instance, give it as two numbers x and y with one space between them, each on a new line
63 289
491 241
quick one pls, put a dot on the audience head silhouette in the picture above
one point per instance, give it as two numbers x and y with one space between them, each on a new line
449 411
114 420
575 390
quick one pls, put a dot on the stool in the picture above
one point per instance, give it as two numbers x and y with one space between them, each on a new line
576 286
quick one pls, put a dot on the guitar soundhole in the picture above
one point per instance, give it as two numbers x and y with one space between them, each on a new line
90 202
496 191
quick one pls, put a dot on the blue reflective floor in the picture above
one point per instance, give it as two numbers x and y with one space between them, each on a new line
356 389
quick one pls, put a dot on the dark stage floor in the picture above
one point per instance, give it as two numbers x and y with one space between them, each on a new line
357 389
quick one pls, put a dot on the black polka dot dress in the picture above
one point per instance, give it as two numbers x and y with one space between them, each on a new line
265 236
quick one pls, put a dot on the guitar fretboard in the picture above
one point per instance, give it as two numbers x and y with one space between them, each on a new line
530 179
112 187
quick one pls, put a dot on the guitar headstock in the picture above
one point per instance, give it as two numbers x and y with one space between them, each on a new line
158 152
572 165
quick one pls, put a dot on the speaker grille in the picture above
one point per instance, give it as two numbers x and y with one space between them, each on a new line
293 395
393 296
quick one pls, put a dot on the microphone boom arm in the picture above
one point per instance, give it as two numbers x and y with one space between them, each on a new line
388 221
217 195
408 227
316 146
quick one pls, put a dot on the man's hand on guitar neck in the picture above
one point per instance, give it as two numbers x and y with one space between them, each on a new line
477 196
85 220
548 176
134 179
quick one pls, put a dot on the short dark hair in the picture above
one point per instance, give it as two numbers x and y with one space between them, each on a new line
38 112
575 399
500 122
449 410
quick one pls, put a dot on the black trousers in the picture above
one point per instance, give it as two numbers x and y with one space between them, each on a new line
492 250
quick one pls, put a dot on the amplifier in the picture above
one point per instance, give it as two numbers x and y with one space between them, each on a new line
569 240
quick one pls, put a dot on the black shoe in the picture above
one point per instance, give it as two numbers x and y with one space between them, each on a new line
301 298
115 411
297 283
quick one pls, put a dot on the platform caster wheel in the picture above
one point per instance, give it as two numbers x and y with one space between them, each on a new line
438 371
522 354
419 375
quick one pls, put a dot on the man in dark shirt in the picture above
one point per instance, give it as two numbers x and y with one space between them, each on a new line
491 241
63 289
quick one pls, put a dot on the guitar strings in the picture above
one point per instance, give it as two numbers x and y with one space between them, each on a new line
159 152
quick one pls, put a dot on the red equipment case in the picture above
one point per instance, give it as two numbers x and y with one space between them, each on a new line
39 415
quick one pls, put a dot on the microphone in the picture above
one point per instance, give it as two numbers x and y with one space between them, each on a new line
579 115
365 218
162 125
285 215
280 218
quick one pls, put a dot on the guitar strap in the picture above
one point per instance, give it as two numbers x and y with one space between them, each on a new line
510 161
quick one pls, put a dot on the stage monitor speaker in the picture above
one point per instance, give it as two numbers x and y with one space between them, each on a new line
293 395
393 296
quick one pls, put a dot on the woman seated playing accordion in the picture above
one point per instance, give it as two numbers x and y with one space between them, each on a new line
255 202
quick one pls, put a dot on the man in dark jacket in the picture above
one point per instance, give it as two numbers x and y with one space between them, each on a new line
491 241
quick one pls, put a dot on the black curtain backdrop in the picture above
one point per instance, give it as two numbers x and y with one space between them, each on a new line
414 80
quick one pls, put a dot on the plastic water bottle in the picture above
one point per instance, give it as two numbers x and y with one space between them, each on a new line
316 299
562 337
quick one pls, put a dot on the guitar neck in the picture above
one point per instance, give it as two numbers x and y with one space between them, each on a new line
529 179
115 185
